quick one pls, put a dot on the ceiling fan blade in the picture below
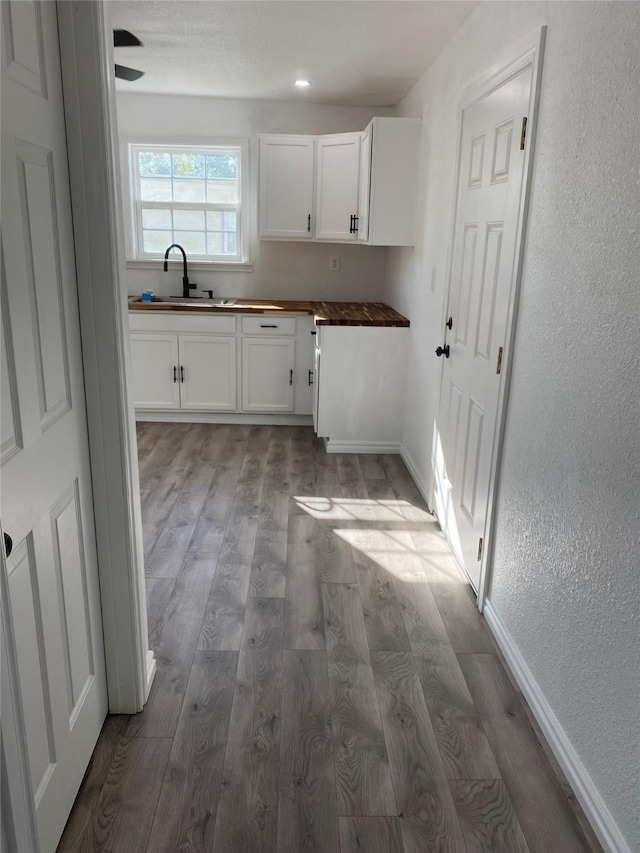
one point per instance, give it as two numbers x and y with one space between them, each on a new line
125 73
123 38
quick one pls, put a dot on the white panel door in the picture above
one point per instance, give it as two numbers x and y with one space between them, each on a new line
46 500
489 192
337 182
208 373
155 371
267 374
286 186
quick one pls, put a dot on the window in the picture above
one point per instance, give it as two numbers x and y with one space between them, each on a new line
187 195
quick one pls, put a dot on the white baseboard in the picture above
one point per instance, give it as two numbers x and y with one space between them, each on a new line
413 470
588 795
183 417
336 446
151 671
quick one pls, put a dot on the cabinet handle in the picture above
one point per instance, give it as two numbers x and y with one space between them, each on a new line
351 224
181 373
309 223
291 376
268 325
314 332
175 373
355 223
311 377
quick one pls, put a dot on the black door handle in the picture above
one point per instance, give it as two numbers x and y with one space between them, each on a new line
449 323
309 223
175 373
8 544
355 223
443 351
181 373
291 377
311 377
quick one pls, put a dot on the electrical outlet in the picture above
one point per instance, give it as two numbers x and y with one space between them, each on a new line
334 263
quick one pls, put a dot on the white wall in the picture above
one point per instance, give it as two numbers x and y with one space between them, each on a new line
281 270
566 580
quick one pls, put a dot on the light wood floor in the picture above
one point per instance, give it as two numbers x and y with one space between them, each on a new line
325 683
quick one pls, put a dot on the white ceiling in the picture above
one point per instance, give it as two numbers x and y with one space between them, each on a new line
354 52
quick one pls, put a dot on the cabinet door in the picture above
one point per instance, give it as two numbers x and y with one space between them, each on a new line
208 372
365 184
337 179
303 374
286 186
155 371
267 374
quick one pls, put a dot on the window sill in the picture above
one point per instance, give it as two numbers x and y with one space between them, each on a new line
200 266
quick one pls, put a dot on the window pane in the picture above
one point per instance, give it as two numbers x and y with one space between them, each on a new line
188 190
190 220
155 189
193 242
153 163
188 165
221 243
156 241
222 191
152 217
221 220
222 165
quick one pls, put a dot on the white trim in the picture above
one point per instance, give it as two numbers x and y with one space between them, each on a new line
16 798
581 782
334 445
195 417
200 266
529 53
415 474
87 59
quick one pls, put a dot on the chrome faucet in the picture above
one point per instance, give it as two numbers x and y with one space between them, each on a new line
186 286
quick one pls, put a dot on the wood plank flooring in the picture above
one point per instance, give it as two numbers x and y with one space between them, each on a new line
325 683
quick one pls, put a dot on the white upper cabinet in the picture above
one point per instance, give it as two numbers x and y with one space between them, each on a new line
287 166
393 182
365 185
362 223
337 179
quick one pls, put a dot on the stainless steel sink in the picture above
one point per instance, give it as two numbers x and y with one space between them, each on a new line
219 302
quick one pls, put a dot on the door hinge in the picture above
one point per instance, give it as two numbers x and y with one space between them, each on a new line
523 133
480 541
499 364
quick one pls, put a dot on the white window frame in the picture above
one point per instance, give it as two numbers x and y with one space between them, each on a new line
135 256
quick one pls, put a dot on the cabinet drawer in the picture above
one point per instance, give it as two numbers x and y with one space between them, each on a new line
186 322
266 326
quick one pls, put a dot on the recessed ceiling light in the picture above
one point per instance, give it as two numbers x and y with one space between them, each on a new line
302 83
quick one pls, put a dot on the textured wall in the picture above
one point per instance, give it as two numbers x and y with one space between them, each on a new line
281 270
566 579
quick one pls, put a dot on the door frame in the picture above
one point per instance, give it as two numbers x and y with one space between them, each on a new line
527 53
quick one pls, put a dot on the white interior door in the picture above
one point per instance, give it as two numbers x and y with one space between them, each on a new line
490 186
53 599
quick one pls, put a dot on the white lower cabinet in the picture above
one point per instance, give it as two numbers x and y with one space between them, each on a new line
184 372
207 372
268 366
155 364
198 363
360 391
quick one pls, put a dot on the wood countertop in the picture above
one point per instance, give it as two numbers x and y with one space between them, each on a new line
323 313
